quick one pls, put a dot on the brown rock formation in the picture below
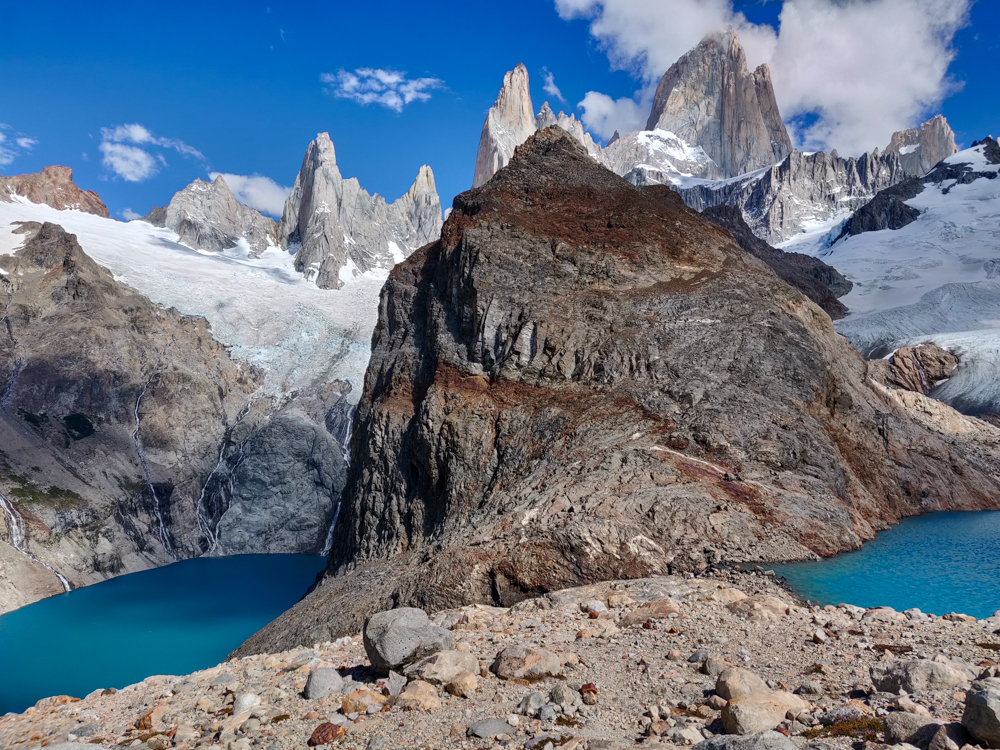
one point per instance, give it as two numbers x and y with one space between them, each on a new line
917 368
584 380
54 187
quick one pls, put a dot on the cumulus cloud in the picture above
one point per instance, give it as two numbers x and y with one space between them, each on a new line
856 70
256 191
129 215
603 115
388 88
550 87
123 155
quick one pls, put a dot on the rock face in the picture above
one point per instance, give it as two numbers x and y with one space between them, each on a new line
337 229
129 437
206 216
921 150
510 122
54 187
982 712
709 98
814 278
918 368
584 380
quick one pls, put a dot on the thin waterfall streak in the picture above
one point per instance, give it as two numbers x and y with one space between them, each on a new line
17 536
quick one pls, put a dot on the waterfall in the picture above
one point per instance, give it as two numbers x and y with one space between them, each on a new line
16 538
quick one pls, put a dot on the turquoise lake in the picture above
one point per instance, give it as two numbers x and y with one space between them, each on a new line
938 563
172 620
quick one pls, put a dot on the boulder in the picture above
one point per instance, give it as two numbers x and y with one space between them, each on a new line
419 695
736 682
915 675
486 728
518 662
361 701
758 712
659 609
760 741
323 682
463 685
902 726
400 637
982 712
440 668
759 608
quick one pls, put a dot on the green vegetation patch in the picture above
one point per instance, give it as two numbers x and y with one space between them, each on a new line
53 497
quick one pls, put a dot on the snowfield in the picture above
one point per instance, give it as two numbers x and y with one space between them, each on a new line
262 308
936 279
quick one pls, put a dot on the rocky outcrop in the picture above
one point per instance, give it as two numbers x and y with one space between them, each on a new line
584 380
917 368
130 438
709 98
821 283
53 186
921 150
206 216
338 229
803 189
510 122
887 210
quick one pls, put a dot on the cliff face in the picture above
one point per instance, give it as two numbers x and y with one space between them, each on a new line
53 186
922 150
709 98
130 438
337 228
508 124
206 216
584 380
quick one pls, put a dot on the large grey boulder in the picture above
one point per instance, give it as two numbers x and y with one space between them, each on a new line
915 675
761 741
758 712
399 637
982 712
902 726
736 681
441 668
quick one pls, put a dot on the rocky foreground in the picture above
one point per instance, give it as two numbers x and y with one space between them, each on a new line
727 659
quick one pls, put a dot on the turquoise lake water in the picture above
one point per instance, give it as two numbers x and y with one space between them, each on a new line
938 563
173 620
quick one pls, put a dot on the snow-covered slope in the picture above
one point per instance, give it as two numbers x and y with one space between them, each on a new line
936 279
263 308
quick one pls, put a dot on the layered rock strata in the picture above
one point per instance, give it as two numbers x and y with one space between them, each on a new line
584 380
53 186
130 438
206 216
337 229
709 98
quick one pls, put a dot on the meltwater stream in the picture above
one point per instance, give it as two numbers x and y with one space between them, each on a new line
939 563
172 620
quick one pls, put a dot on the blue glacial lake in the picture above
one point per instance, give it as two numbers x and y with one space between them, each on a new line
173 620
938 563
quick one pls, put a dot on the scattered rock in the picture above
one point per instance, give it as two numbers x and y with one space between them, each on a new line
735 682
400 637
901 726
361 700
419 695
758 712
463 685
243 702
440 668
395 683
326 734
761 741
714 666
323 682
487 728
915 675
523 663
659 609
982 712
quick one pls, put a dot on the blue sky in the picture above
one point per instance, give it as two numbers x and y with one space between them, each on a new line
237 87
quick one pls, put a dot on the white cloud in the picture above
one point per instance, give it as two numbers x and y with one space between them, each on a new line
6 153
858 69
26 143
257 191
550 87
132 163
603 115
10 150
129 215
389 88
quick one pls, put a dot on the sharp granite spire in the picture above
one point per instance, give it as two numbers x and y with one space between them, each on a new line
709 98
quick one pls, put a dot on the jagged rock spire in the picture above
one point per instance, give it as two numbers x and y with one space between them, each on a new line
508 124
921 150
709 98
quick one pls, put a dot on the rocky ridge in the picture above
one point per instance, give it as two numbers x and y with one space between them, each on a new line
585 380
130 438
54 187
206 216
710 99
337 229
723 661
